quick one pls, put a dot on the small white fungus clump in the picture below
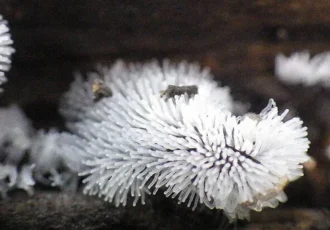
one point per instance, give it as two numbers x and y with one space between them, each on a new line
300 68
15 140
191 147
50 167
5 49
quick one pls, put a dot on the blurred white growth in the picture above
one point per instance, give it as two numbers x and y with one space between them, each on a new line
5 49
15 139
300 68
191 147
327 152
46 155
15 135
25 179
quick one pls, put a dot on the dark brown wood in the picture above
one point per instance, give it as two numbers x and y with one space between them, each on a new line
242 37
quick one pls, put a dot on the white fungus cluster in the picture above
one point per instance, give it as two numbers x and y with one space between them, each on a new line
15 140
27 157
191 147
5 49
300 68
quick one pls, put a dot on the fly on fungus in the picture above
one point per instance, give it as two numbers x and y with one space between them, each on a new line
100 90
173 90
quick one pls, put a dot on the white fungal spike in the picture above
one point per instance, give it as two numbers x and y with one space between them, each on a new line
191 147
5 49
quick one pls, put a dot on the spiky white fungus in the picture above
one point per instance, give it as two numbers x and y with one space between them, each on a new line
300 68
120 76
5 49
50 168
15 139
192 147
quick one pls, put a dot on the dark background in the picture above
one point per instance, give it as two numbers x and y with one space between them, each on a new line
238 40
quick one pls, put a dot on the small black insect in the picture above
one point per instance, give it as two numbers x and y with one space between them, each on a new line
173 90
100 90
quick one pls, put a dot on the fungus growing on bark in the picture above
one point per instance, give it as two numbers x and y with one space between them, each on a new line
192 148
